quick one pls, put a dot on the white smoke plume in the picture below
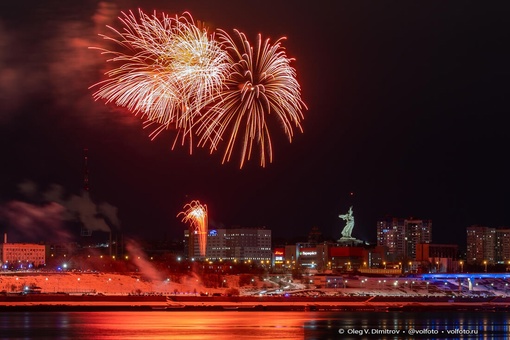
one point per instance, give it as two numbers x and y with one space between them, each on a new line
87 212
146 268
110 213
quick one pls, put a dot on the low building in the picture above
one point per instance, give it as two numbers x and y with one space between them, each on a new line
329 281
22 255
331 256
440 258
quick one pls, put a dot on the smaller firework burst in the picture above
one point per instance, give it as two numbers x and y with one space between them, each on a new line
196 215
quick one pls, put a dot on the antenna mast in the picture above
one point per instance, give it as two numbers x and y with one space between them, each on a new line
84 230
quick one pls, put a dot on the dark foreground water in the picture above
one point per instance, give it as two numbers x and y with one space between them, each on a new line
253 325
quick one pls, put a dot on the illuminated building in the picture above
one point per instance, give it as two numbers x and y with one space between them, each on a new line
21 255
424 251
235 244
278 258
502 248
401 236
306 255
347 258
487 245
442 257
481 243
332 257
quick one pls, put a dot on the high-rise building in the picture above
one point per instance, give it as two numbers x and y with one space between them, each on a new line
481 245
502 248
401 236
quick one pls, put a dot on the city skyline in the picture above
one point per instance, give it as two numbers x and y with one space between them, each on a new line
406 108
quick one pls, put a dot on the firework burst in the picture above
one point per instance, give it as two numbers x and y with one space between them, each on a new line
169 71
261 83
196 215
221 89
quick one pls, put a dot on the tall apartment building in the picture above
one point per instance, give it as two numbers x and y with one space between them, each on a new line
502 245
488 244
235 244
401 236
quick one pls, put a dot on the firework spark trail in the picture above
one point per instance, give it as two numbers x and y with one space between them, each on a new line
261 83
141 82
196 215
171 69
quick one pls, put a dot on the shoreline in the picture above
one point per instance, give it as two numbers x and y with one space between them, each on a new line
96 303
45 308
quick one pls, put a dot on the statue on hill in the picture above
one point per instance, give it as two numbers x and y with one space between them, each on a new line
349 224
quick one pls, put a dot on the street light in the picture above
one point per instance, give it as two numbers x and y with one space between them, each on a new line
461 266
485 263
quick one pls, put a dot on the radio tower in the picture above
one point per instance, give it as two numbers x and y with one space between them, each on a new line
85 231
86 169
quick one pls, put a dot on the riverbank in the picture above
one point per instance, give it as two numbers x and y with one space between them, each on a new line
132 292
64 302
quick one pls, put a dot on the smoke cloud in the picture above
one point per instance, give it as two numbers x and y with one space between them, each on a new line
63 68
146 268
46 219
35 223
87 212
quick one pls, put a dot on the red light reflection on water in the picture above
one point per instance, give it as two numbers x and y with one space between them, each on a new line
200 325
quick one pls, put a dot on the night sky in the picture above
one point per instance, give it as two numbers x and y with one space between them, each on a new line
407 117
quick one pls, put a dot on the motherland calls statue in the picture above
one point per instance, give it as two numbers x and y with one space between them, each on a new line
349 224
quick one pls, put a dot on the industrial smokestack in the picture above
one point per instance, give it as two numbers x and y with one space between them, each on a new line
5 237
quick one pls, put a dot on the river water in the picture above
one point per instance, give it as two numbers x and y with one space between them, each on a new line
253 325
